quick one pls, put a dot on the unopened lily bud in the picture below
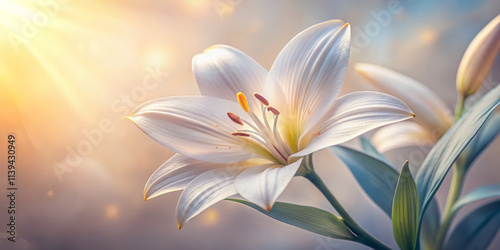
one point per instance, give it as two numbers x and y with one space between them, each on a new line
478 58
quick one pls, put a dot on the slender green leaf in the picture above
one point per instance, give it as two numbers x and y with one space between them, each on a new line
478 194
369 149
378 179
430 225
405 211
442 156
308 218
477 229
484 137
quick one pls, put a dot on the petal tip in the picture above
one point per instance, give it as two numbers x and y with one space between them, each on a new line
147 193
268 208
214 47
131 118
209 48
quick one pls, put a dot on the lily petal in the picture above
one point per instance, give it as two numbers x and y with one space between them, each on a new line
311 70
197 127
429 109
175 174
205 190
222 71
352 115
478 58
403 134
263 184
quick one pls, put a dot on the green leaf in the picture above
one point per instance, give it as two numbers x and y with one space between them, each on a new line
405 210
477 229
308 218
484 137
430 225
379 179
478 194
369 149
376 177
442 156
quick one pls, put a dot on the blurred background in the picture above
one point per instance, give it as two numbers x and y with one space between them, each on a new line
70 70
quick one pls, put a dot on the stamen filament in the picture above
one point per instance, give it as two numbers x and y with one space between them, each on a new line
261 131
264 115
277 135
269 147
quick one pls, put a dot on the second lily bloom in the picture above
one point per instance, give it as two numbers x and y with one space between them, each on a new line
433 117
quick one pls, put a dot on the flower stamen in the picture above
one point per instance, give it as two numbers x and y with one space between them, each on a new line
240 134
273 110
265 135
242 100
261 99
235 118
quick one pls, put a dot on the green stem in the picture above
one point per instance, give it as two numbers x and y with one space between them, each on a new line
453 195
457 182
363 236
459 107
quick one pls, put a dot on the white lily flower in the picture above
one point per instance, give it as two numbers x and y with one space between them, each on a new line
432 117
248 133
478 58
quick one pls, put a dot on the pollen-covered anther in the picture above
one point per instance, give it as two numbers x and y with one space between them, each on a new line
275 111
242 100
261 99
240 134
235 118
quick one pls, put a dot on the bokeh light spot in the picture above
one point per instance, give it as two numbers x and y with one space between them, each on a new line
112 212
210 217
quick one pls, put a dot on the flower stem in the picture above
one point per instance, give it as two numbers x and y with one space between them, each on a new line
453 195
457 183
363 236
459 108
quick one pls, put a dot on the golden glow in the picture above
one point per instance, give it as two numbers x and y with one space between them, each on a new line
112 212
210 217
195 5
13 12
50 193
158 56
428 36
242 100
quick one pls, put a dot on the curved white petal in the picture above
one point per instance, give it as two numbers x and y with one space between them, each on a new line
175 174
402 134
205 190
352 115
223 71
197 127
430 111
310 71
263 184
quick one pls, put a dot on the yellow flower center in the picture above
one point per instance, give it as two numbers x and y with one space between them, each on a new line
262 133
